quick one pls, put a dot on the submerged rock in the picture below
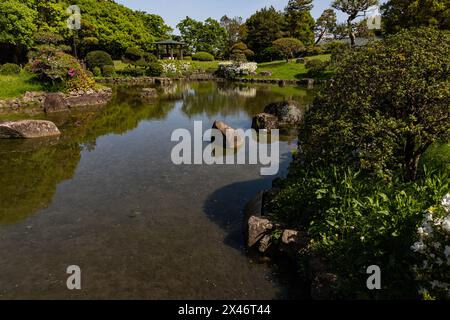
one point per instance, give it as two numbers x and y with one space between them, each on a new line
231 139
265 121
28 129
287 112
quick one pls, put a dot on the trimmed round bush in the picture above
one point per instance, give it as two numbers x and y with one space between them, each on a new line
99 59
154 69
108 71
187 58
10 69
315 67
96 71
203 56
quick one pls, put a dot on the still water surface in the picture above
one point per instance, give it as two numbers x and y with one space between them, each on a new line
105 196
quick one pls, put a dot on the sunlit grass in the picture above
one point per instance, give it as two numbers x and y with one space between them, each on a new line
12 86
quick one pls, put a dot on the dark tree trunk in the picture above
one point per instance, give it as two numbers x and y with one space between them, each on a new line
350 31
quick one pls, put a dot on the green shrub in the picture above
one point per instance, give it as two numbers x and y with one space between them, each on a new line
108 71
315 67
10 69
153 69
133 56
98 59
61 70
132 72
187 58
97 72
354 221
203 56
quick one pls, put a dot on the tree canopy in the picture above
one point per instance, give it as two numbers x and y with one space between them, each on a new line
208 36
386 104
110 26
398 14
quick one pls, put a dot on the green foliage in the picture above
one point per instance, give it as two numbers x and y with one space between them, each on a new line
300 23
387 103
315 67
153 69
17 23
47 37
110 26
399 14
355 221
353 8
98 59
10 69
208 36
133 56
202 56
240 52
60 70
271 54
264 27
97 72
108 71
289 47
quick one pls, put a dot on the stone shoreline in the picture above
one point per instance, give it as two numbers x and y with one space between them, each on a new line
203 77
276 241
38 102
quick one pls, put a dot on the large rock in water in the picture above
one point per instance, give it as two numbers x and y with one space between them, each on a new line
55 102
28 129
265 121
287 112
231 139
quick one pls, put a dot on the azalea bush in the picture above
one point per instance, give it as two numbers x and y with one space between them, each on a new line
433 252
236 69
60 70
176 68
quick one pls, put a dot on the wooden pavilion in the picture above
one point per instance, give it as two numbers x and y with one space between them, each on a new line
169 48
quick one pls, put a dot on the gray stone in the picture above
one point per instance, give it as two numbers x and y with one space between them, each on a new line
264 121
257 229
265 243
55 102
287 112
28 129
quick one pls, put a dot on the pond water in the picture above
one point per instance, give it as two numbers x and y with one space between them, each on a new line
105 196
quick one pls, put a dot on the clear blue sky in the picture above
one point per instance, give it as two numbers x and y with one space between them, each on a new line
173 11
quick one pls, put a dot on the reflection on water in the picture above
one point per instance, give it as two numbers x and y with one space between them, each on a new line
105 195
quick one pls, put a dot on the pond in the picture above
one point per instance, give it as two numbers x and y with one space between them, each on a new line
106 196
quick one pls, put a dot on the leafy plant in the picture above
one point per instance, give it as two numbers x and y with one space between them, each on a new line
203 56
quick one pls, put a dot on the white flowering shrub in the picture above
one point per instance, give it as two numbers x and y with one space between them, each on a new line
236 69
176 68
433 252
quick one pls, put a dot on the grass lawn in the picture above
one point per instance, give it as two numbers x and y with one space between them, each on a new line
287 71
437 156
16 85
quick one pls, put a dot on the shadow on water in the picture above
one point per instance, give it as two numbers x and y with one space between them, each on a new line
226 207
